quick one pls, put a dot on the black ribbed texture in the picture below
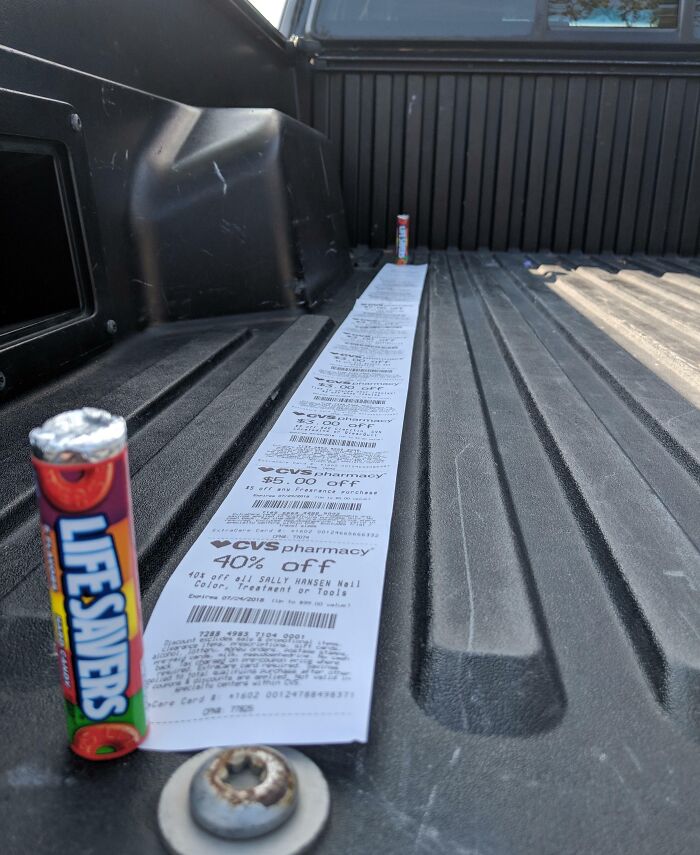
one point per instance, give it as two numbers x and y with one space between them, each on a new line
562 161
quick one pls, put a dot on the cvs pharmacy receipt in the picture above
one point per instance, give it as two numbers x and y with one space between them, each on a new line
267 630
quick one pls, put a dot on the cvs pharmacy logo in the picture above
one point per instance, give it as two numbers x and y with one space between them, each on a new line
284 471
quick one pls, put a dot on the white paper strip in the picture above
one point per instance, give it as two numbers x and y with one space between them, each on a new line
267 630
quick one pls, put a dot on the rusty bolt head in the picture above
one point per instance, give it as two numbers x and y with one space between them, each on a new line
237 813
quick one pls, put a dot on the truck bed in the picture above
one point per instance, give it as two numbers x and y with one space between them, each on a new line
538 676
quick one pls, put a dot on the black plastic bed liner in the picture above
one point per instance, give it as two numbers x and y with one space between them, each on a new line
538 680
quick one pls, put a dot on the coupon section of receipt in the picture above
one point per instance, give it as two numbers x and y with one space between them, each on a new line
267 630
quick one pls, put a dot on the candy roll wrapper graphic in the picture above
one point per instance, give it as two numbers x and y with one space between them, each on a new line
403 229
87 531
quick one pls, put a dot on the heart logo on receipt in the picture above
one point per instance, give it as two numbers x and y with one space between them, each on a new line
219 543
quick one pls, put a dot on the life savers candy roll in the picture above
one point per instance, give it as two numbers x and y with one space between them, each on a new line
87 533
403 227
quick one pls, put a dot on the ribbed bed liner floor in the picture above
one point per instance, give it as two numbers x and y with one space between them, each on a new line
650 306
538 679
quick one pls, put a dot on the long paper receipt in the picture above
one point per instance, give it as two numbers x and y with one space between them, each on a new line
267 630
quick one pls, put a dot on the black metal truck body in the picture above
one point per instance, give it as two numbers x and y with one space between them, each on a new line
191 202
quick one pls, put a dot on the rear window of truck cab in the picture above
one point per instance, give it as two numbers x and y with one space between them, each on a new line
464 19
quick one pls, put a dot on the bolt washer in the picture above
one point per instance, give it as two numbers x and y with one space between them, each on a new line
236 813
182 835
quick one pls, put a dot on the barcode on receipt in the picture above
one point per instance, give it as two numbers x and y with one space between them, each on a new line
330 440
306 505
268 617
332 400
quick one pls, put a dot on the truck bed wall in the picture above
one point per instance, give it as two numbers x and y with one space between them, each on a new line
580 155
